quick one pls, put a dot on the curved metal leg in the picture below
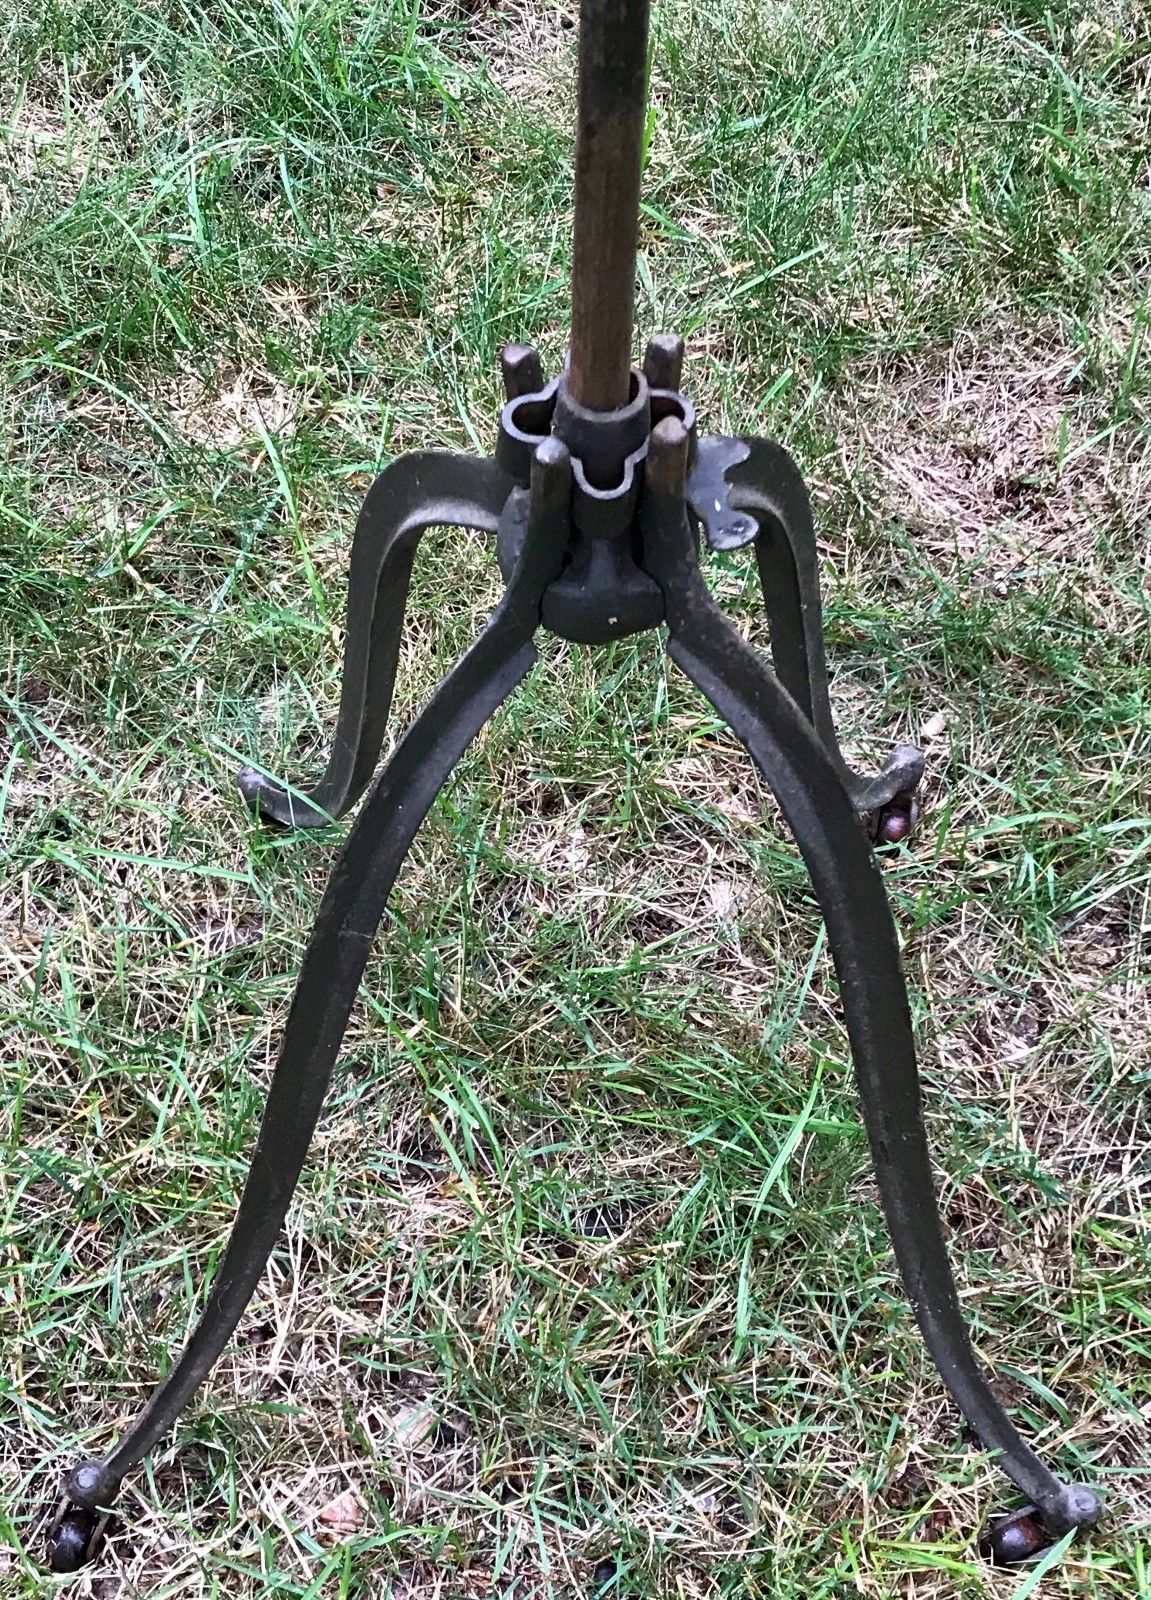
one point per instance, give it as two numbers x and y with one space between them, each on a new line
763 481
334 961
794 761
430 488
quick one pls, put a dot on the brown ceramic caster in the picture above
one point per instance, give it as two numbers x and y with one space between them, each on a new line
75 1539
895 822
1019 1537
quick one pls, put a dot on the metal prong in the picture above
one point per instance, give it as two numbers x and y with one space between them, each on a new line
551 478
667 457
522 370
663 361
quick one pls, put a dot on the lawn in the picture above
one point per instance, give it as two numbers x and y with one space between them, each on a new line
585 1290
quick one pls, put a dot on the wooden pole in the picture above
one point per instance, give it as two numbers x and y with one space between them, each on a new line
609 147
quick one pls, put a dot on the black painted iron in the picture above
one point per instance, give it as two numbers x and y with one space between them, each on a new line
597 516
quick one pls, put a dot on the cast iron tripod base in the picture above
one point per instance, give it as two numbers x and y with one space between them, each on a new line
597 517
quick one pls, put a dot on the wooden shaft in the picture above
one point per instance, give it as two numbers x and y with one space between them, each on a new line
609 148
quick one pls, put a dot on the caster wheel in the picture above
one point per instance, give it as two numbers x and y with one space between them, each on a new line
1019 1537
75 1539
895 822
81 1521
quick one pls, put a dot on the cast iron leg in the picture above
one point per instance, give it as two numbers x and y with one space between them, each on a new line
862 938
428 489
764 482
333 964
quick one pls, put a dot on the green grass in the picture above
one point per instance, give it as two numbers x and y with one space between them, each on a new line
538 1305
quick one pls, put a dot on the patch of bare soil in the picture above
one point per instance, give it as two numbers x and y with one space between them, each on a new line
989 453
